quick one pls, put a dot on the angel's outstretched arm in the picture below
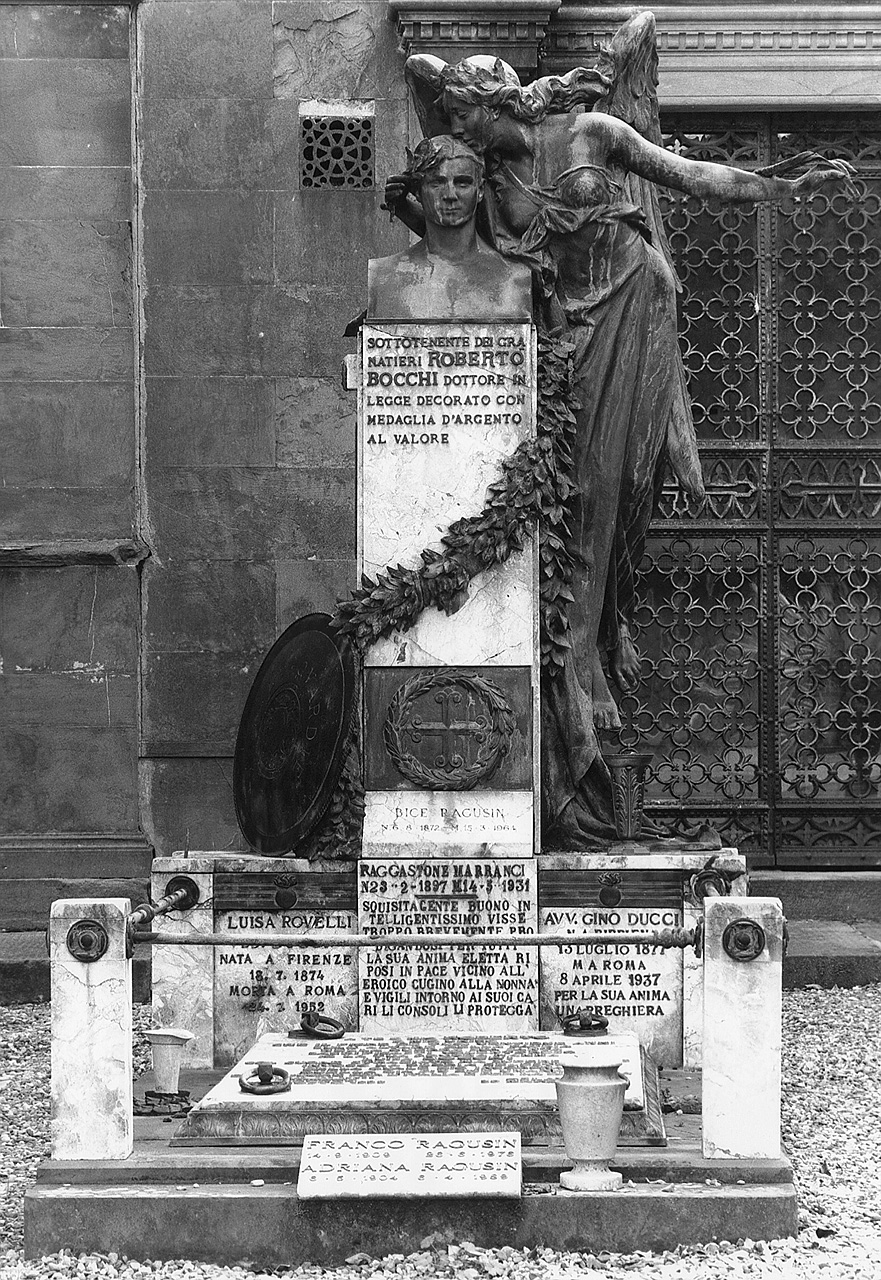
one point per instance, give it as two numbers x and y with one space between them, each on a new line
699 177
422 72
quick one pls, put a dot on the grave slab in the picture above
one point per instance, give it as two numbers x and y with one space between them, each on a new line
638 987
412 1084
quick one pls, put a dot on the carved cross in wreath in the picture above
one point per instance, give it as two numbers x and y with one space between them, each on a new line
473 729
456 738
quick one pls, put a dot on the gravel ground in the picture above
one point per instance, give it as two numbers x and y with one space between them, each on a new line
832 1130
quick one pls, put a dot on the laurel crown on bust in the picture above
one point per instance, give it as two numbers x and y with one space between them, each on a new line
433 151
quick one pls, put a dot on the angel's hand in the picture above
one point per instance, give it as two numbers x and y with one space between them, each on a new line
401 205
826 173
395 192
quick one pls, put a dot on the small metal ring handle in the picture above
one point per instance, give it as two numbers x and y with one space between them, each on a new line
87 940
584 1023
266 1078
743 939
320 1027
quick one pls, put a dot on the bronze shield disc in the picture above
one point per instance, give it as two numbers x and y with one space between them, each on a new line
291 740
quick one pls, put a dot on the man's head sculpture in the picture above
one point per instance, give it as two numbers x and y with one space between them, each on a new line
430 155
447 175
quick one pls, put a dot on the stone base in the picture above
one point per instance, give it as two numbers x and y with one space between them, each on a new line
591 1175
204 1206
236 1206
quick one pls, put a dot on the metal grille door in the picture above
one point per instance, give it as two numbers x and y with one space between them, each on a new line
761 624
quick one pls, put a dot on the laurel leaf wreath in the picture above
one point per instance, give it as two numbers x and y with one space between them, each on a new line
535 488
492 743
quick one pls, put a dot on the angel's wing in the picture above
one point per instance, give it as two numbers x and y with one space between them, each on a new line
631 63
422 73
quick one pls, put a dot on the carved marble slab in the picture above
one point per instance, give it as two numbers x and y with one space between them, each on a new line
411 1084
348 1166
442 988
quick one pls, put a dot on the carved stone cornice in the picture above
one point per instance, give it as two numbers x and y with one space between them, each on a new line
767 56
455 29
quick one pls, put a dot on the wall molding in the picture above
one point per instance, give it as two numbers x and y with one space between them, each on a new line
128 552
450 29
712 56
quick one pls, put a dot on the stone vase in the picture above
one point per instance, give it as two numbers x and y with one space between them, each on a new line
590 1098
628 790
168 1044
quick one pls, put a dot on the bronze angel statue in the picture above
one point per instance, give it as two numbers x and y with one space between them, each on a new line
572 167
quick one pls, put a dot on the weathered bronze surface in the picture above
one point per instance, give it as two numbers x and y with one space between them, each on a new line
575 196
289 749
451 274
447 729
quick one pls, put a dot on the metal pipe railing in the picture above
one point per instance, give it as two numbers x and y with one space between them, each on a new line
666 938
183 893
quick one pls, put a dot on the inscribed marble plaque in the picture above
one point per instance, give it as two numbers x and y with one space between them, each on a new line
441 406
638 987
448 988
495 824
356 1166
270 987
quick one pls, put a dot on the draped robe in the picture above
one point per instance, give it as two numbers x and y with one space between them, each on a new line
613 294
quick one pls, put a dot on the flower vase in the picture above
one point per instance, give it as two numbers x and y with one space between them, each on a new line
628 790
168 1044
590 1097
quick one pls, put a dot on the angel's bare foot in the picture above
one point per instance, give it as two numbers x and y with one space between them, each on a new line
624 663
605 712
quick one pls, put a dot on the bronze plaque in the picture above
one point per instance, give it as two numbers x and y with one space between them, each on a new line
448 728
289 750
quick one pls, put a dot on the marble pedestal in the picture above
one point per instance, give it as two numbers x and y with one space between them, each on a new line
231 995
451 703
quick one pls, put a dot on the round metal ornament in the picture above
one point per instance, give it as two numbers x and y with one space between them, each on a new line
292 737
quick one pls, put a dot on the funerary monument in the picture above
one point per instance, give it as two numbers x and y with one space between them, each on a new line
519 388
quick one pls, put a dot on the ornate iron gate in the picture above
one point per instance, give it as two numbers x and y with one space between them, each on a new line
762 689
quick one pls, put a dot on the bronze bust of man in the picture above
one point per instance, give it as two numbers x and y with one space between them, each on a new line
451 274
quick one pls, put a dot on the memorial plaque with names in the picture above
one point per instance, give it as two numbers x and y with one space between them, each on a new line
441 407
358 1166
638 987
445 988
452 701
270 987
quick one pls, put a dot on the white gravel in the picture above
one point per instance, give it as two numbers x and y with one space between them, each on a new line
832 1130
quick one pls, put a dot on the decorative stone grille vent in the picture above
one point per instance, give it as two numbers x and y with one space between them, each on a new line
336 151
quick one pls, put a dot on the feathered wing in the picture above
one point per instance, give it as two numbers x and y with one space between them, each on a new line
631 63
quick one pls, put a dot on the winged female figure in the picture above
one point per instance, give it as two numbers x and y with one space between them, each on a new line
572 165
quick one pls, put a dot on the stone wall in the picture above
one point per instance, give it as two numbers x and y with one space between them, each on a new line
68 547
248 283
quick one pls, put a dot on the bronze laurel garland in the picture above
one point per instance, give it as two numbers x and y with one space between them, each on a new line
493 739
536 486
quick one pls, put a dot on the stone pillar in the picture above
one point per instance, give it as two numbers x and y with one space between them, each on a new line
91 1030
453 699
183 977
742 1027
